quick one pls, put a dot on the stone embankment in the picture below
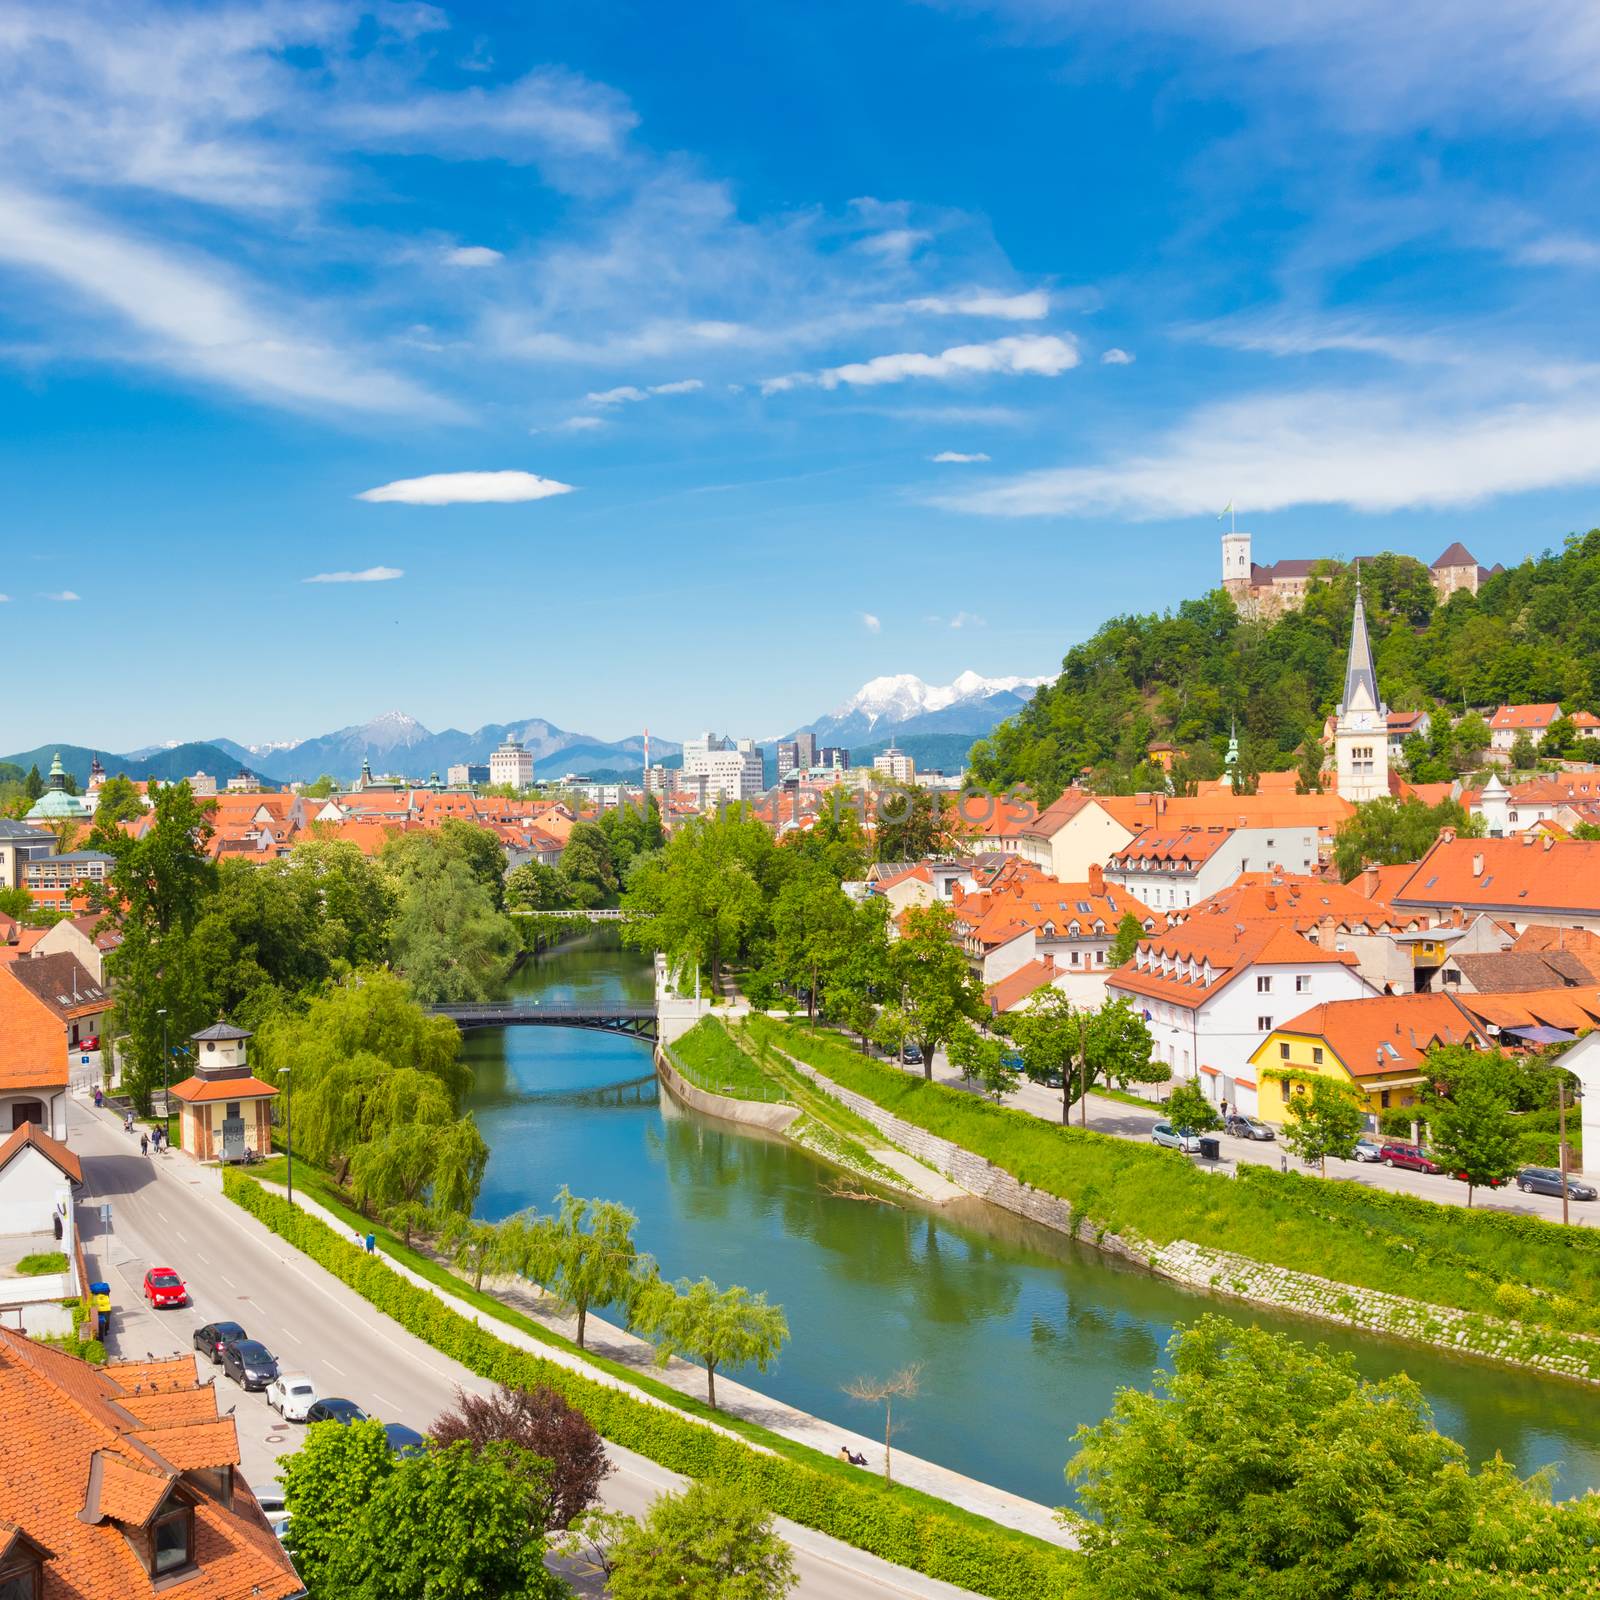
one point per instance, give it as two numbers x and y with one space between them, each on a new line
1568 1355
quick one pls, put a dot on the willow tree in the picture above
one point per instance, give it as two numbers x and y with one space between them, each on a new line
715 1327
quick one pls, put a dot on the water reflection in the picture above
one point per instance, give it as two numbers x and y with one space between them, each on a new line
1023 1334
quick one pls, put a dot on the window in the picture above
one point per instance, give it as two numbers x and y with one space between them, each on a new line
1283 1089
1302 983
1074 958
1099 958
233 1109
1263 985
174 1538
1384 1099
1263 1024
1283 1052
20 1581
1316 1055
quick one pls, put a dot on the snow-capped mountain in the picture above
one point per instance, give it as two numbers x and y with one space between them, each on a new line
904 704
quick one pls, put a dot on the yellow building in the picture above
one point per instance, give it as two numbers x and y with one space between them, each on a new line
1375 1046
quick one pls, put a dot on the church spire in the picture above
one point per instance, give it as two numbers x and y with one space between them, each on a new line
1360 677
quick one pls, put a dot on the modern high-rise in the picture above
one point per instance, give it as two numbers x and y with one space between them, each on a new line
732 768
512 764
832 755
464 774
895 765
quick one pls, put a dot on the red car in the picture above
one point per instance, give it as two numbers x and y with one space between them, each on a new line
163 1287
1409 1157
90 1041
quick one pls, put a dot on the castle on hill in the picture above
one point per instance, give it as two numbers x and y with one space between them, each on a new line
1259 591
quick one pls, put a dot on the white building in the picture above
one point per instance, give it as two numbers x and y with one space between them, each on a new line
1170 868
512 764
895 765
202 783
1361 724
732 768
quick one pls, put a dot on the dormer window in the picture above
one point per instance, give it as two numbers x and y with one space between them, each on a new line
172 1541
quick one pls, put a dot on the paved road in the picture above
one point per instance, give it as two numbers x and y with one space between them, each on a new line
1134 1122
166 1211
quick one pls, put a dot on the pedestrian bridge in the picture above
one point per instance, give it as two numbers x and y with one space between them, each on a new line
636 1021
602 914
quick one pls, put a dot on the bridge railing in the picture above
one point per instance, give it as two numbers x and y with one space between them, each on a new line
553 1013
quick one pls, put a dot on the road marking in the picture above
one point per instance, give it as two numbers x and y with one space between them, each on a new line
331 1368
226 1279
290 1333
382 1399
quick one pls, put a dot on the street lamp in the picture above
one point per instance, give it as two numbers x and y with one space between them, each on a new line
166 1112
288 1125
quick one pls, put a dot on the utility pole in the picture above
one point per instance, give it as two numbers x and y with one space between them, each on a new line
288 1125
1561 1100
161 1011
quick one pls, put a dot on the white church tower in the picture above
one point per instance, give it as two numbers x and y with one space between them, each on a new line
1361 725
1236 569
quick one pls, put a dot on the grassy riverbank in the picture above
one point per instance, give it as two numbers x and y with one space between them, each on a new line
1496 1262
710 1060
899 1523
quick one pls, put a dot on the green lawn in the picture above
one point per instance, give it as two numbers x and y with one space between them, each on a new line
1479 1260
710 1060
42 1264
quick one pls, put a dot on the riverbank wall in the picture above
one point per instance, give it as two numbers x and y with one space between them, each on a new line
1567 1355
773 1118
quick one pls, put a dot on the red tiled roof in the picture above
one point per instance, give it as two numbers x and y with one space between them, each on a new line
195 1091
1523 875
50 1148
1297 901
1530 716
1012 990
1194 952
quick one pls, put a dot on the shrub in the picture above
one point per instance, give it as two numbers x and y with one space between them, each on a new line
988 1560
1396 1123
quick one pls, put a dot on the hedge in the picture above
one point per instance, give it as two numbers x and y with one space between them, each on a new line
1001 1564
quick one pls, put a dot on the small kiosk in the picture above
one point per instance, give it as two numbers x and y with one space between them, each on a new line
225 1113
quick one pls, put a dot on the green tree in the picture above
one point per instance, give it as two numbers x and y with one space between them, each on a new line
320 788
713 1541
1387 832
448 938
1472 736
1189 1111
117 801
354 900
1263 1466
912 824
1325 1122
587 872
476 1247
584 1256
393 1170
716 1327
813 924
928 973
1129 932
33 784
1085 1048
460 1161
982 1060
370 1525
1524 753
536 887
1471 1130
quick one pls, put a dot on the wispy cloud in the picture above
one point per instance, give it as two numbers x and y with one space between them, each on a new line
1559 250
1370 450
578 424
871 623
968 619
366 575
1042 355
472 255
957 455
1115 357
465 488
631 394
1028 307
61 595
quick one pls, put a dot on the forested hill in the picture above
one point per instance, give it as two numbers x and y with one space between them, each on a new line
1532 633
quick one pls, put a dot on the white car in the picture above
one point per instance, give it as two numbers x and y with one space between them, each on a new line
291 1395
270 1500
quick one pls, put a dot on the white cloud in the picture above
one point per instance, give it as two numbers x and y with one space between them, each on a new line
465 488
472 255
64 594
626 394
1042 355
366 575
1117 358
871 623
4 599
1369 450
1560 250
191 319
956 455
681 386
968 619
579 424
1028 307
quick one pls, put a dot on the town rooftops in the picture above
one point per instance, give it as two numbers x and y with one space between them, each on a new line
1298 901
1524 971
27 1136
1183 847
1009 992
14 832
198 1090
62 983
1570 1010
1524 875
1384 1034
95 1455
1455 555
1517 718
1190 963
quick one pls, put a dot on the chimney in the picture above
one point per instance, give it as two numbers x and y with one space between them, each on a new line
1549 841
1477 863
1447 836
1367 880
1272 899
1097 879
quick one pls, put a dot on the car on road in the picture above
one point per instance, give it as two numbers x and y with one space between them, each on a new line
404 1441
215 1337
1408 1156
272 1508
1547 1180
292 1395
1249 1128
912 1055
1367 1150
163 1287
1170 1138
249 1363
88 1042
335 1410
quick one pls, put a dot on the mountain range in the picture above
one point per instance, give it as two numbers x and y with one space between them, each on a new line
943 719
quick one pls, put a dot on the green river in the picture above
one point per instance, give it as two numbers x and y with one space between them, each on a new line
1022 1334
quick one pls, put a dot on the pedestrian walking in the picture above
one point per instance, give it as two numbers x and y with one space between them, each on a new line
144 1144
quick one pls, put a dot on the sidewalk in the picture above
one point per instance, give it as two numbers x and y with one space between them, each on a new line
618 1345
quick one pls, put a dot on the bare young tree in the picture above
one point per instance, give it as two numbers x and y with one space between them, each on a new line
903 1385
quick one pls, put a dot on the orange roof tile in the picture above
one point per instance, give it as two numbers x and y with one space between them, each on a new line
1299 901
50 1148
1385 1034
1540 715
1524 876
1011 991
195 1091
1195 960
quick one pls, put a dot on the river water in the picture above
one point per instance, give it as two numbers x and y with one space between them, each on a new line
1022 1334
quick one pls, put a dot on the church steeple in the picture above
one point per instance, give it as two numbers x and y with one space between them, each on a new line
1360 677
1361 724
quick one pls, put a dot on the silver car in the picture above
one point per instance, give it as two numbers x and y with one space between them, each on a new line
1367 1150
1170 1138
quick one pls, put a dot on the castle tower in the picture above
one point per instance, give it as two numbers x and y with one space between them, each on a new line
1361 724
1236 565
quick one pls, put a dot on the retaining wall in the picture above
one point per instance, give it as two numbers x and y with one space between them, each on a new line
773 1117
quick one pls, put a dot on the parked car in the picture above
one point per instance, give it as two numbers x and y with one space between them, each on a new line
1249 1128
249 1363
272 1508
1409 1157
336 1410
404 1441
1547 1180
90 1041
292 1395
1171 1138
212 1339
912 1055
1367 1150
1013 1062
163 1287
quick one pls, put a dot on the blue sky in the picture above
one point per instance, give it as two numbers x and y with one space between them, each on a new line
652 324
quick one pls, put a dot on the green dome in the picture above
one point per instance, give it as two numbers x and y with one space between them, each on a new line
54 804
